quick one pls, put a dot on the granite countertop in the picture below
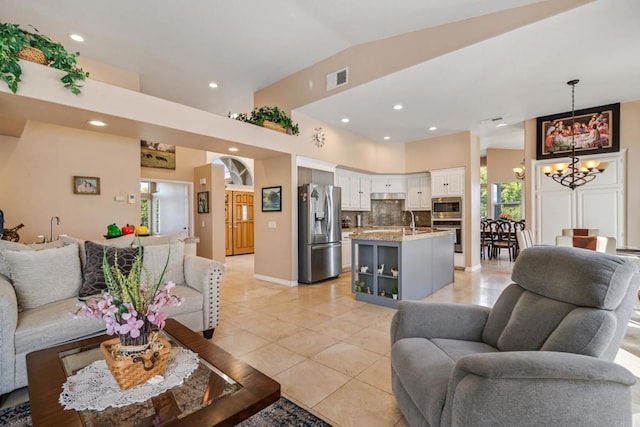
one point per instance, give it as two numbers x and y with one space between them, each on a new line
394 233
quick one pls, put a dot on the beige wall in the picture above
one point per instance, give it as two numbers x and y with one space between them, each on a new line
209 227
274 253
347 149
458 150
186 160
449 151
500 164
630 139
36 173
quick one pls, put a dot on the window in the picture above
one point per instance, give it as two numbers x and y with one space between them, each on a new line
483 191
507 200
235 172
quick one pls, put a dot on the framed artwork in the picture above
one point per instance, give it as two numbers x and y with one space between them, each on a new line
86 185
272 199
595 130
156 155
203 202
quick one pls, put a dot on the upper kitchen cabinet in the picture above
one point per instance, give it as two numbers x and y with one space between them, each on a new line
419 192
447 182
356 190
388 184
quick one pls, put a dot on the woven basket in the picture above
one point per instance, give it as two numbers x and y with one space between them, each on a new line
128 373
273 126
32 54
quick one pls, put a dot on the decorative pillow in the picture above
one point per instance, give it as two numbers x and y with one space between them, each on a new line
14 246
155 257
42 277
93 281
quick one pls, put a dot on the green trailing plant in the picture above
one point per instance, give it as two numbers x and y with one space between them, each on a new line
272 114
13 40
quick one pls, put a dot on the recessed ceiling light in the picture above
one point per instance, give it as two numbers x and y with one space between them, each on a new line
97 123
345 120
76 37
233 149
387 137
213 85
398 107
432 128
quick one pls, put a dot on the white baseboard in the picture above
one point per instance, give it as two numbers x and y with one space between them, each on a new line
473 268
276 280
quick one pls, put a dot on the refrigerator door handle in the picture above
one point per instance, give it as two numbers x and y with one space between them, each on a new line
325 245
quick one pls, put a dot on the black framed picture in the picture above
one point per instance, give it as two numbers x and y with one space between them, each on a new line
272 199
595 130
203 202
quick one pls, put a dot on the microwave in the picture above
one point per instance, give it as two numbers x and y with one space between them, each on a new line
446 207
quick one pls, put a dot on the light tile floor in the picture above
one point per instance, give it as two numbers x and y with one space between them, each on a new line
329 352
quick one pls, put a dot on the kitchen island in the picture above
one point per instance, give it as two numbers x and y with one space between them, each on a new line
414 264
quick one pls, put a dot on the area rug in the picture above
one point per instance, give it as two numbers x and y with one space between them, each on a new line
281 413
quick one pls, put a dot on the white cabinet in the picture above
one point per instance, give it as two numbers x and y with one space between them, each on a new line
597 204
356 190
389 184
419 192
447 182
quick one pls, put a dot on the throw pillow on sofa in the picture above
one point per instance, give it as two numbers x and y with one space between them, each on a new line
155 258
93 279
6 245
45 276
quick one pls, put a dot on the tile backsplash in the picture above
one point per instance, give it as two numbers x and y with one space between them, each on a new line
388 212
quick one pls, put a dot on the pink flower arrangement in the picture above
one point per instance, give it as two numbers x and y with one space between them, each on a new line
123 318
128 306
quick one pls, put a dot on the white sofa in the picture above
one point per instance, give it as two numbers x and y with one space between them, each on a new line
39 286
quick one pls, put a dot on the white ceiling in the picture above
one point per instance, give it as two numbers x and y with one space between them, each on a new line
179 47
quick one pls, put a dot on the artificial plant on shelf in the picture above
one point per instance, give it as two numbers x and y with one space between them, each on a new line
13 40
272 114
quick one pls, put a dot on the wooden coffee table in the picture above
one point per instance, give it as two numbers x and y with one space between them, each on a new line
222 392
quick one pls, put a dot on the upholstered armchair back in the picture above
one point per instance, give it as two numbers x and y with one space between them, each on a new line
564 300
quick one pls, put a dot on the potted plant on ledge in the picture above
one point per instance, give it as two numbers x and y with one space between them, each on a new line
269 117
16 44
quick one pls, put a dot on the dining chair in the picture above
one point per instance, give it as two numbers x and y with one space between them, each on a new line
504 238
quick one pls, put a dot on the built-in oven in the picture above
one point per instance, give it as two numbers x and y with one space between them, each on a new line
453 225
446 207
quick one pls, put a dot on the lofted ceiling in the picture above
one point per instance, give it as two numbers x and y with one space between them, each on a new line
177 48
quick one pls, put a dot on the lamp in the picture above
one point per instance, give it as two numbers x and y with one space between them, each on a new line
571 174
519 172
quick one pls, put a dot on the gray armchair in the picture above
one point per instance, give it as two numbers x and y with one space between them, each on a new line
541 356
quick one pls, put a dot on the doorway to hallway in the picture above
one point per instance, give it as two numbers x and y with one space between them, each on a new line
165 206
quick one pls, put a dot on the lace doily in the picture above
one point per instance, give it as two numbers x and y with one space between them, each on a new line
95 388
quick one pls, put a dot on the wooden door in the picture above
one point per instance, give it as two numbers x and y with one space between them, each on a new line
243 237
228 224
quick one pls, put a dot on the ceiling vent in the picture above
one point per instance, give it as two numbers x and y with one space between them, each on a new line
337 79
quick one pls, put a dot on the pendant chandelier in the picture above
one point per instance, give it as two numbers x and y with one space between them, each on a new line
574 174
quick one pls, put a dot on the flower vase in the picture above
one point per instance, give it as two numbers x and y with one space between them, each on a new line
128 344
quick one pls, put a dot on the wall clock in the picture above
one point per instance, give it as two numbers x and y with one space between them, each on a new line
318 137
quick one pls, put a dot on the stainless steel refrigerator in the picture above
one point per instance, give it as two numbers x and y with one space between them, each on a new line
319 234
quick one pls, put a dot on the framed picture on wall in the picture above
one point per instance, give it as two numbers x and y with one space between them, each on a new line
89 185
594 130
203 202
272 199
156 155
